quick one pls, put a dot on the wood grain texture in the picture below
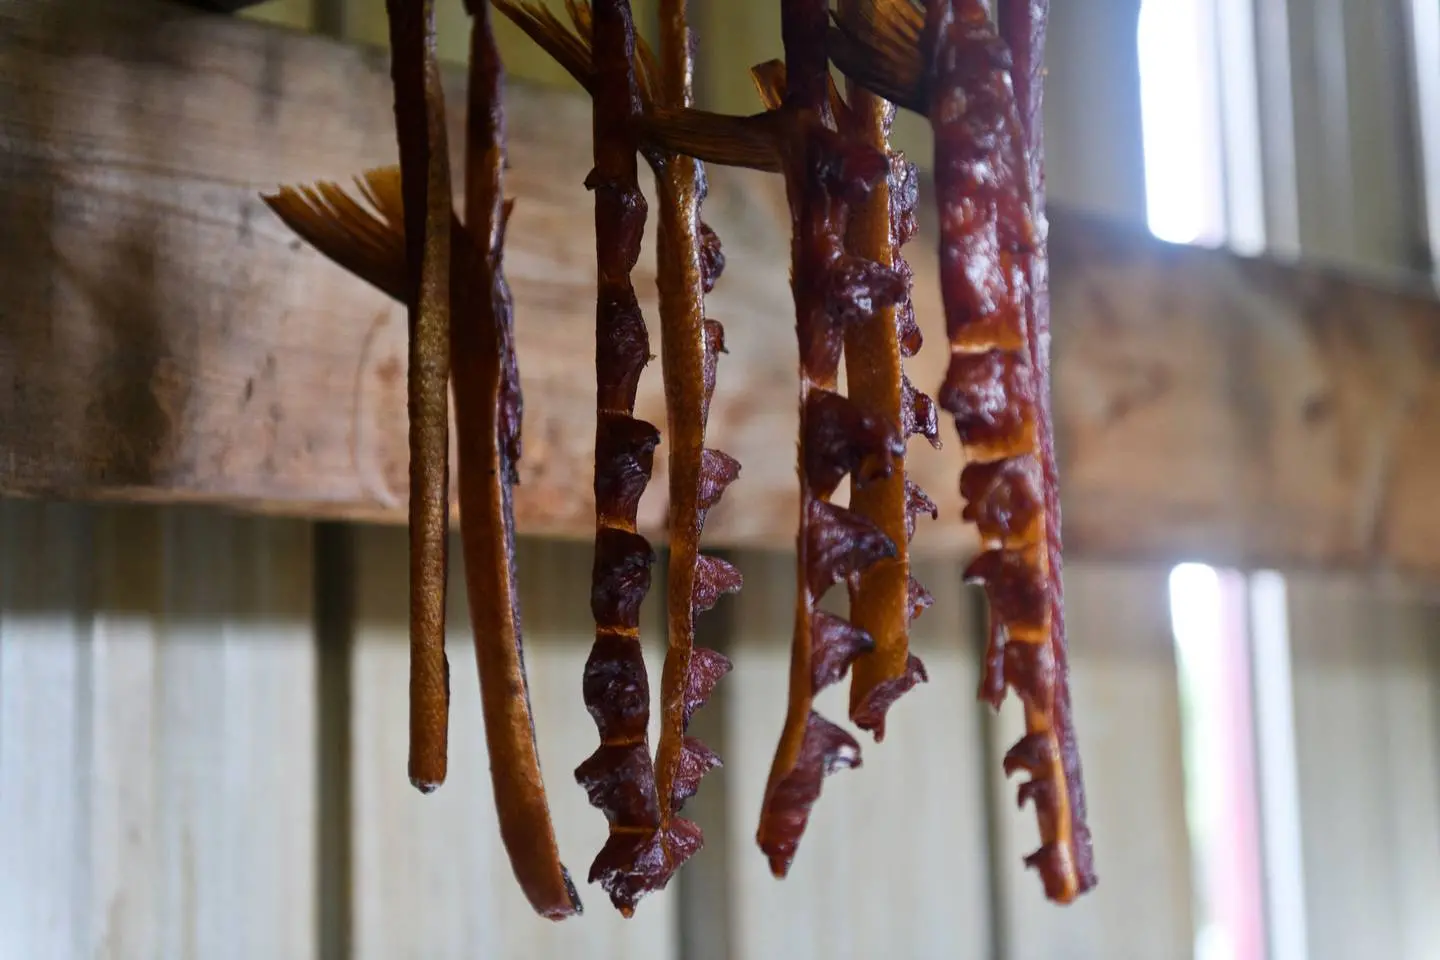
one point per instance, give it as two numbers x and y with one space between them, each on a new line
893 862
169 340
1128 719
157 737
431 880
1212 407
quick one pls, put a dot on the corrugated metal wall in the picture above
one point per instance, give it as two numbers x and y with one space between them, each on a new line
202 724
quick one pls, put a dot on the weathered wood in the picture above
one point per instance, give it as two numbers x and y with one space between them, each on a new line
167 339
1212 407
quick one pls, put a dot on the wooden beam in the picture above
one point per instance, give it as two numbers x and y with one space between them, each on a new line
166 339
1242 411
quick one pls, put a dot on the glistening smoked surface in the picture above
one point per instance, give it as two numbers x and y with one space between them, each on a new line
166 339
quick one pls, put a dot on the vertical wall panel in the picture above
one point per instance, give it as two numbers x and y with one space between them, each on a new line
1095 156
431 880
555 593
157 744
1127 713
1364 672
128 721
1356 175
364 22
44 783
1389 218
289 13
1368 745
237 781
894 860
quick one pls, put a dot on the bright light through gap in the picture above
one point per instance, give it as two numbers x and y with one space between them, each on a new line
1174 105
1196 619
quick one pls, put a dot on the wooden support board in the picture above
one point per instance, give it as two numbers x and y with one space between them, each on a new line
166 339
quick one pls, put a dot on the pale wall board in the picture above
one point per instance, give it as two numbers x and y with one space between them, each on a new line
1355 171
1365 672
894 862
431 880
1125 694
157 739
1094 153
1368 750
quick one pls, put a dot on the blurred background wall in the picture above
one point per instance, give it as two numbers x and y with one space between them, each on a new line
202 716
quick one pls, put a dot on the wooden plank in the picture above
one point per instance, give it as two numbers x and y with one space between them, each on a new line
430 877
1277 428
1128 718
174 342
204 395
893 861
1367 730
157 744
